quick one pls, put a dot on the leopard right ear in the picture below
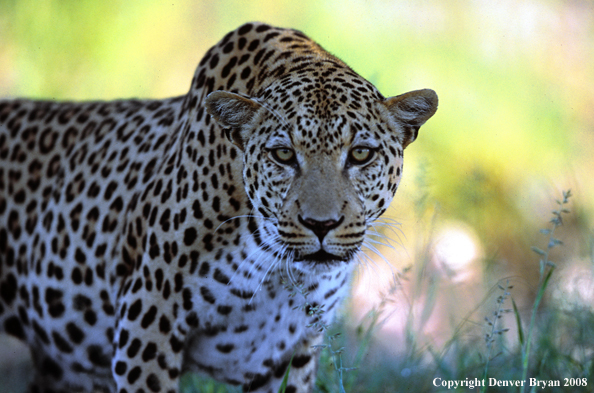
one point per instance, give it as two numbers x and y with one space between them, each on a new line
231 111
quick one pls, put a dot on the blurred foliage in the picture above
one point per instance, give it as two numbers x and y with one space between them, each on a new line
515 122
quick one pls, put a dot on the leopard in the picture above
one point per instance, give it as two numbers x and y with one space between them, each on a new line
141 239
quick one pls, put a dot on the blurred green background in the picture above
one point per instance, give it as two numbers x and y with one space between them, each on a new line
515 124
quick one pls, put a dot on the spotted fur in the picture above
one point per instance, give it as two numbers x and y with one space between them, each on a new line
143 239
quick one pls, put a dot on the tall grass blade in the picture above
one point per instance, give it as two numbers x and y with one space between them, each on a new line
518 322
283 386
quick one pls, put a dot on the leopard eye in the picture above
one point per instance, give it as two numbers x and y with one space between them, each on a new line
283 155
361 155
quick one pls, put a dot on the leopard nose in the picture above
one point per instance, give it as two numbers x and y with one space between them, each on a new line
320 228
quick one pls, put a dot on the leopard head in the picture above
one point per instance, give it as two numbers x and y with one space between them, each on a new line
319 166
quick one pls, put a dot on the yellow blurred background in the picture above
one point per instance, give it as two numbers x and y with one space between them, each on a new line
515 124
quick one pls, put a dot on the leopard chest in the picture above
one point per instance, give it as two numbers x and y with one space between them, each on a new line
257 332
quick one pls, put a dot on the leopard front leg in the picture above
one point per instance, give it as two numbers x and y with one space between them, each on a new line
304 366
148 346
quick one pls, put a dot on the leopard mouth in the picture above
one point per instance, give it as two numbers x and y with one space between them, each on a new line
321 256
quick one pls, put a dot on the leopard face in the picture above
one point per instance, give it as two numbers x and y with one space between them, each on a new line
320 165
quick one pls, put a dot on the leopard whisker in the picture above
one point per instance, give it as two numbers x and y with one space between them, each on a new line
394 226
379 242
369 262
267 247
376 251
240 216
290 267
277 260
381 238
255 254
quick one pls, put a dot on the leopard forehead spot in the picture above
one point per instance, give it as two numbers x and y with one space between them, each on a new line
143 238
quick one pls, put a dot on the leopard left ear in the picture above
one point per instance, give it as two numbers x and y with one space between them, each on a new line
411 110
231 111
